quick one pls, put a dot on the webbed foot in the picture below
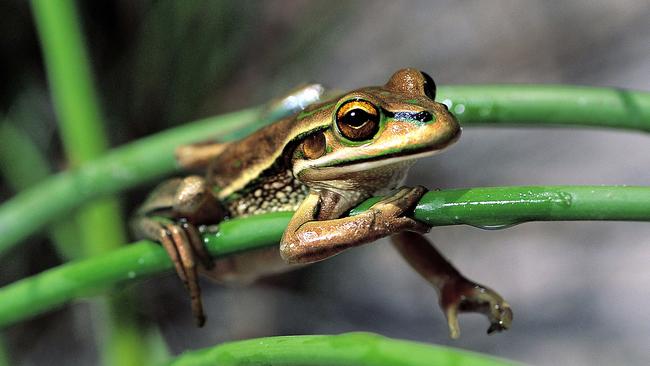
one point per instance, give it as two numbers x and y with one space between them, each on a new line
462 295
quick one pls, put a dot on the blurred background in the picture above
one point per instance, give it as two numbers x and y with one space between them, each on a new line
578 289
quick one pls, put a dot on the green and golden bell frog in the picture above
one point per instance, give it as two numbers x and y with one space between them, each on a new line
320 162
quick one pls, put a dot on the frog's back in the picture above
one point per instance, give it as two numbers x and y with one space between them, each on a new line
244 160
255 171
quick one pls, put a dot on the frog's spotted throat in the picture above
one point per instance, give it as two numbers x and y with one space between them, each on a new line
320 162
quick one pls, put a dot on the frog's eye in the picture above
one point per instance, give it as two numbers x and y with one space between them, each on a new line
357 120
429 86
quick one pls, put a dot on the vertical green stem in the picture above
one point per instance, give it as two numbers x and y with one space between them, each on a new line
22 165
70 80
84 139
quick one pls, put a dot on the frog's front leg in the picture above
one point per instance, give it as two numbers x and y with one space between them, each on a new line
457 293
316 232
170 216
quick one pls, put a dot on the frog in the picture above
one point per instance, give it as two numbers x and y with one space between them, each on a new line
323 159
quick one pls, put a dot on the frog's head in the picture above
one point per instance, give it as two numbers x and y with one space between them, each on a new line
378 126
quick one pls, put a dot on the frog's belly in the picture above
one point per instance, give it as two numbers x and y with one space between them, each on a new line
280 192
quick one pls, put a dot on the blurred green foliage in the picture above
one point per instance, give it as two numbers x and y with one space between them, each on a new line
156 64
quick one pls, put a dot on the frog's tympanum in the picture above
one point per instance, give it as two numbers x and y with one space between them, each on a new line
319 162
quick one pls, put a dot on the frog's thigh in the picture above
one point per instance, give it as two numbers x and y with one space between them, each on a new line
244 268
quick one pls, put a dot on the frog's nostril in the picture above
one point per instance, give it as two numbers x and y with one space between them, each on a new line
423 116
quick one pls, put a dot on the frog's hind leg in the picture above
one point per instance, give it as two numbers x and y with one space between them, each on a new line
170 216
457 293
246 267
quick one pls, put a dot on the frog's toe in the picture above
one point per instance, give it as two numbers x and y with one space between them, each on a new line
452 322
502 321
466 296
195 240
401 202
409 197
182 240
501 317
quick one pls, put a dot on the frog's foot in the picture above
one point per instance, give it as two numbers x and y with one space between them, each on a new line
393 211
169 216
183 244
462 295
457 293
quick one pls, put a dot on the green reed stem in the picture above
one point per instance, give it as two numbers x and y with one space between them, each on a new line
99 222
360 349
482 207
152 157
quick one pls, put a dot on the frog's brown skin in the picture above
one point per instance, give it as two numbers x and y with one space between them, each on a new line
320 163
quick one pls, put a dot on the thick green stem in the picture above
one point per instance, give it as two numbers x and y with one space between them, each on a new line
100 223
557 105
70 80
361 349
499 207
482 207
152 157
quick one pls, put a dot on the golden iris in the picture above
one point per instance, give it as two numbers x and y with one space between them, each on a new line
358 120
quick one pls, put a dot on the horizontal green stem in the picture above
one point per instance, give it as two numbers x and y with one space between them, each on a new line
549 105
481 207
361 349
152 157
120 169
506 206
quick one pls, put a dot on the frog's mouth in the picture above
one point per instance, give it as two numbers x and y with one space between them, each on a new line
382 160
377 161
397 156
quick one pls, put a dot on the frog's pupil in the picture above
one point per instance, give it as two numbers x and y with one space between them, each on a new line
357 117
